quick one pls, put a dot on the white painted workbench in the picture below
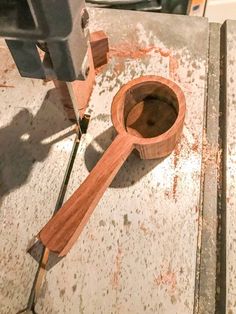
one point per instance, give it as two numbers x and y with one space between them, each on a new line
138 252
32 169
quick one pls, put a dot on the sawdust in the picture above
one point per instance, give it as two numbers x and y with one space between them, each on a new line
173 68
195 147
134 51
211 156
128 51
211 153
185 148
168 278
116 274
6 86
91 236
100 69
177 152
8 67
175 184
145 229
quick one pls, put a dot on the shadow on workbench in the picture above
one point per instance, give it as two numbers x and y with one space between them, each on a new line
26 140
132 170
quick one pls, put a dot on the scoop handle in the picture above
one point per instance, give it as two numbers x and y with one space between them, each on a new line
63 229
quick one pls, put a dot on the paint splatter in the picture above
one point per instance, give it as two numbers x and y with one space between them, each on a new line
173 68
127 223
134 51
168 279
175 185
116 274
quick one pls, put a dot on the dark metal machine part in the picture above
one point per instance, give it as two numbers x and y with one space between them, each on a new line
163 6
59 27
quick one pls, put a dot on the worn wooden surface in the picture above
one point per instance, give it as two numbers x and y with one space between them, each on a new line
35 143
61 232
138 252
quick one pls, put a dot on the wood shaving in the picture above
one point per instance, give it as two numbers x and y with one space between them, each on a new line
6 86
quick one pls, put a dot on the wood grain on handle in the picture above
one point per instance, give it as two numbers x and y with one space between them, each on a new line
61 232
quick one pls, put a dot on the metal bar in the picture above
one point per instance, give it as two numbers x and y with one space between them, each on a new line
221 270
27 59
228 126
211 173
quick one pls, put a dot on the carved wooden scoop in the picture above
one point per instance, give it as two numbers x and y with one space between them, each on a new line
148 114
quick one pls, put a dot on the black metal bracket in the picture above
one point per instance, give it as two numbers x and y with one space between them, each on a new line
59 26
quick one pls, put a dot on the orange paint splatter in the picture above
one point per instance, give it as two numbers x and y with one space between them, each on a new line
195 146
143 228
168 278
177 153
91 236
164 53
173 68
133 51
175 184
116 274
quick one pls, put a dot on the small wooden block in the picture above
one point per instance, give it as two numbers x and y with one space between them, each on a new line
100 47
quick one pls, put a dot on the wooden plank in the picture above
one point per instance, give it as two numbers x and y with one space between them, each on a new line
137 254
35 139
